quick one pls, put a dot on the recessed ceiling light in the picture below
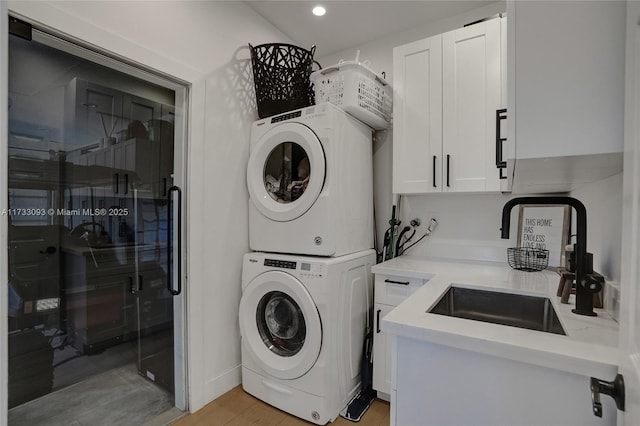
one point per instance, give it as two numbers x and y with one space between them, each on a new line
319 10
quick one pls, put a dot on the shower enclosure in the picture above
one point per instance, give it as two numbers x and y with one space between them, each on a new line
93 231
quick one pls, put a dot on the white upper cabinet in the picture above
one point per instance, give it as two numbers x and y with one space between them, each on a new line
417 117
566 92
471 96
447 91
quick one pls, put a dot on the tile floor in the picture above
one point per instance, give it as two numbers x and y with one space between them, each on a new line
117 397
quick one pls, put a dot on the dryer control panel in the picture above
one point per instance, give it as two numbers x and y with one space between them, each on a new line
286 117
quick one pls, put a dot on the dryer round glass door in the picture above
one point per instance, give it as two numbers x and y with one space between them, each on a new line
280 325
286 171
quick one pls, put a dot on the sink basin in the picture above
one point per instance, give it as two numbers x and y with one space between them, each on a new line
516 310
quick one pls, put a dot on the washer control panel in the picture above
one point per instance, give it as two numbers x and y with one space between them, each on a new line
311 270
307 269
286 264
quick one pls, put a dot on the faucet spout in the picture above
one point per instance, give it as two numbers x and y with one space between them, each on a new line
585 285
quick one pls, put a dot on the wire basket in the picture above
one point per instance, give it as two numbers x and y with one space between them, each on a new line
281 77
527 258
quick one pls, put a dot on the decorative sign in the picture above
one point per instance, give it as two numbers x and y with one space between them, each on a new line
545 227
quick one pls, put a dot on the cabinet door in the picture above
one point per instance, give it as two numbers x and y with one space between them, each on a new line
92 112
471 96
135 108
381 352
417 123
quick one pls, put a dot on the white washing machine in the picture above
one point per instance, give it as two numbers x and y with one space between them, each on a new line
310 181
302 321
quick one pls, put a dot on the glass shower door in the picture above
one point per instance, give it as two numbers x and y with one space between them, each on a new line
91 245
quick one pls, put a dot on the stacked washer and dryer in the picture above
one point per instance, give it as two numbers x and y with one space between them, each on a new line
307 289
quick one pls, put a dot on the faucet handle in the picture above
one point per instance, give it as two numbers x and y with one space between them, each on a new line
593 282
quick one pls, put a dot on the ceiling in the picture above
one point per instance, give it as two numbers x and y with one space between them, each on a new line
350 23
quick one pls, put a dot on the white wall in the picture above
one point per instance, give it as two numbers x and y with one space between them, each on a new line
603 200
204 44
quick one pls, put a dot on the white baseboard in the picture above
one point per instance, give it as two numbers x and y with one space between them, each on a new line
223 383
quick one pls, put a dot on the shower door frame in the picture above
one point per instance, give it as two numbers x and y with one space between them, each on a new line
57 40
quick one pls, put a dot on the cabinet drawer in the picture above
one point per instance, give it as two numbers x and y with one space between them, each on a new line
392 290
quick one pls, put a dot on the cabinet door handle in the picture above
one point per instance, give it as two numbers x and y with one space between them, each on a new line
397 282
614 389
501 114
378 321
126 183
434 172
448 164
116 182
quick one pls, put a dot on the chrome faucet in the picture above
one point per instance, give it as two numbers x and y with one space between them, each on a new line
586 282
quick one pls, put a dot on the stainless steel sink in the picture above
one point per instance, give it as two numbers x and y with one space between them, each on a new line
516 310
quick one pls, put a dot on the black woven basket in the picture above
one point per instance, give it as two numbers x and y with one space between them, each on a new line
527 258
281 77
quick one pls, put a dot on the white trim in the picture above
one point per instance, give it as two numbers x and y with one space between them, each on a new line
223 383
180 305
84 33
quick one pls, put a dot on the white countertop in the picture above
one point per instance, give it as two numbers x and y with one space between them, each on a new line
589 348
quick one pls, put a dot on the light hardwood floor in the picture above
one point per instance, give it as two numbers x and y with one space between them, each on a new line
237 407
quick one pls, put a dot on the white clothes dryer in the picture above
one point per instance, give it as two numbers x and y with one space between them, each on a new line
310 182
303 322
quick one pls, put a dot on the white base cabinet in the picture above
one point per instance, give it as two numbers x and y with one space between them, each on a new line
381 355
389 292
442 385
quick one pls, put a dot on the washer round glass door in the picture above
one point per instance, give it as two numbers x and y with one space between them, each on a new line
286 171
280 325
